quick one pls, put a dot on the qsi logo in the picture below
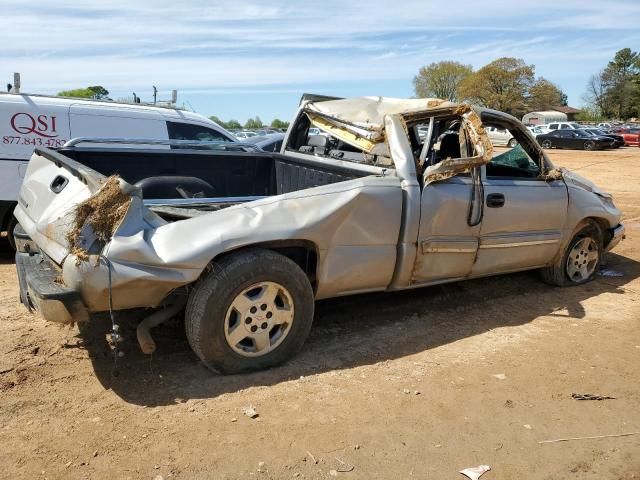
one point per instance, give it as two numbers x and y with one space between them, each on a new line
42 125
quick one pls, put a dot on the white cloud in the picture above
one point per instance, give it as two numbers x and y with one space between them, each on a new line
226 44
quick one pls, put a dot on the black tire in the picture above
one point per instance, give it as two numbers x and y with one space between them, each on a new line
546 144
10 228
212 296
557 273
589 145
512 143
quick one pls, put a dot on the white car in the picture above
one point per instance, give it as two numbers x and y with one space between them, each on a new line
562 126
501 137
537 129
29 121
245 134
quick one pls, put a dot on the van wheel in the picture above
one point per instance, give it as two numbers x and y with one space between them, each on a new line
10 229
252 311
580 260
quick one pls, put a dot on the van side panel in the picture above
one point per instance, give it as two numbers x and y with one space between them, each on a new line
24 125
91 121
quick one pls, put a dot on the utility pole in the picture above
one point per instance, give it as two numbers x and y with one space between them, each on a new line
155 94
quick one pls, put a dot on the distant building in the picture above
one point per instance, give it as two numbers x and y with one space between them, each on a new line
562 113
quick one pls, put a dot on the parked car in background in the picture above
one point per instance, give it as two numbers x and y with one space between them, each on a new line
576 139
618 139
537 129
244 134
562 126
28 121
501 137
630 135
604 125
269 143
325 217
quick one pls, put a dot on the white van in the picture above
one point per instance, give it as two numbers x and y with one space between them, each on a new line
29 121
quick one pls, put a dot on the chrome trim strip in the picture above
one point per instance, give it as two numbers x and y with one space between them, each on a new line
198 202
448 250
518 244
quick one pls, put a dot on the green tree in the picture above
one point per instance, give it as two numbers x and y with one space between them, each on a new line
277 123
615 90
441 80
218 121
96 92
99 92
253 123
233 125
544 95
502 84
624 74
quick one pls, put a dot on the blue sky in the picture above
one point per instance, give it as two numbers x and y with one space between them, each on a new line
238 59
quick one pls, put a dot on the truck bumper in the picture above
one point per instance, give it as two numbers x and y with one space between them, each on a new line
618 235
40 290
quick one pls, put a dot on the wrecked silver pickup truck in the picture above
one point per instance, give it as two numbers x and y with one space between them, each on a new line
394 194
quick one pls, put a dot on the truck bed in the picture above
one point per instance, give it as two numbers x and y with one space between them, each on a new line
230 174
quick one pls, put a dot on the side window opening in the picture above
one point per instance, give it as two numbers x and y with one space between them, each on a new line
186 131
311 140
511 158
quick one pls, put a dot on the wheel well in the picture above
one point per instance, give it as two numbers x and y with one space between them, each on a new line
6 214
302 252
604 228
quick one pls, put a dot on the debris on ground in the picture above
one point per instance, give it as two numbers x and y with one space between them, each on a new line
474 473
250 411
590 438
313 459
590 396
499 376
344 466
606 272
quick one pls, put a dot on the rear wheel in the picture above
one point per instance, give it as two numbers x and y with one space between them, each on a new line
580 260
589 145
252 311
546 144
512 143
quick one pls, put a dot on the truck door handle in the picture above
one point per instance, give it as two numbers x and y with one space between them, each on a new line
495 200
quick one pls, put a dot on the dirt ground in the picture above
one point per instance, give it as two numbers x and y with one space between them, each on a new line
416 384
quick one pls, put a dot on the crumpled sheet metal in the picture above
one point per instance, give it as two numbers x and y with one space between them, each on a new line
472 125
151 257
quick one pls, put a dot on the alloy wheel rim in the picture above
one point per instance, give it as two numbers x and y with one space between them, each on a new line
259 319
582 260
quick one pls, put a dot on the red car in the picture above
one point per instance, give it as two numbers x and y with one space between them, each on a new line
631 136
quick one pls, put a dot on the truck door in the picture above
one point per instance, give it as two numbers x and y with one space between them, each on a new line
447 242
523 213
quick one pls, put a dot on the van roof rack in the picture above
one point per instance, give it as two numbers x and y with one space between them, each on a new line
160 104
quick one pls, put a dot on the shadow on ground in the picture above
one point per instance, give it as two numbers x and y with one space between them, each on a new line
348 332
7 255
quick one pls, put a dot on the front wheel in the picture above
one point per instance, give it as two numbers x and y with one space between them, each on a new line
252 311
546 144
512 143
579 262
589 145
